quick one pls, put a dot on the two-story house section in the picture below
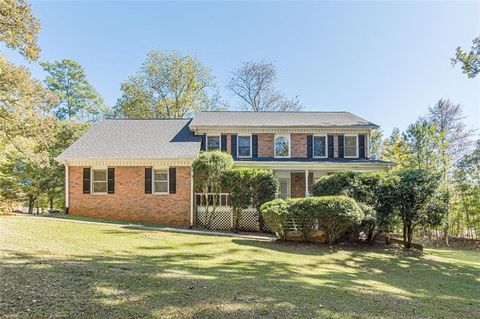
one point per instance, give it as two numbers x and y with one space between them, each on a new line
141 170
298 146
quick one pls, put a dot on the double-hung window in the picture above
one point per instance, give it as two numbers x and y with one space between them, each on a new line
160 181
213 142
99 181
244 146
320 146
351 146
282 145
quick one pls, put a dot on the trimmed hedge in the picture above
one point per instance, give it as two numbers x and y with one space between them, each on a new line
275 213
334 214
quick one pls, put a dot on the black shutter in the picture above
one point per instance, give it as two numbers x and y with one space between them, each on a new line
86 180
224 143
361 146
330 146
341 150
234 145
203 146
255 146
172 180
148 180
309 146
111 180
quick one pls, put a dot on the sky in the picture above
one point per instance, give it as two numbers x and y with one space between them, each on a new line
384 61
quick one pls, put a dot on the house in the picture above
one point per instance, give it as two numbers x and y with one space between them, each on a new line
140 170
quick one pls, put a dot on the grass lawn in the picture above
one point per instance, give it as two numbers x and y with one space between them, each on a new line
55 268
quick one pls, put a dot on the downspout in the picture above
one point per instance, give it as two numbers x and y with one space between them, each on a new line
191 197
66 188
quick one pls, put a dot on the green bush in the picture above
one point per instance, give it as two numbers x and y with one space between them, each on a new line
276 215
334 214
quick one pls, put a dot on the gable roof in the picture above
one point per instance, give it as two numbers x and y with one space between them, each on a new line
119 138
279 119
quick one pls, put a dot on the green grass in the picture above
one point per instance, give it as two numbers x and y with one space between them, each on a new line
55 268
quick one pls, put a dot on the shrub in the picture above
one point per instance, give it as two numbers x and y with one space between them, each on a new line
276 215
237 182
264 187
336 214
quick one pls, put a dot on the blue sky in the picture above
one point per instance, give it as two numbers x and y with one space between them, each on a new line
385 61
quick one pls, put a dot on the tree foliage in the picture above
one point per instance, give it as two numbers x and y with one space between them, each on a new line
19 28
254 84
208 169
469 60
168 85
77 97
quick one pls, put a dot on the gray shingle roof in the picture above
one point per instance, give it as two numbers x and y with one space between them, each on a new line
280 119
164 139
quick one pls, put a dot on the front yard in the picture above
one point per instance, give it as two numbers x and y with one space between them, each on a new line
55 268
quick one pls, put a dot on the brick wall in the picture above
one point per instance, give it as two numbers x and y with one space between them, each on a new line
298 184
298 145
265 145
130 203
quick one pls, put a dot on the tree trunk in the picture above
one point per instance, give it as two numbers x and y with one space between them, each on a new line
51 203
404 235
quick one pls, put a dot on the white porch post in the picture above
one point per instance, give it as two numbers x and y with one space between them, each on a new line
306 183
66 186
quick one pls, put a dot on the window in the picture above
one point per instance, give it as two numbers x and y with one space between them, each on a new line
99 181
282 145
284 187
320 146
213 143
160 181
350 147
244 146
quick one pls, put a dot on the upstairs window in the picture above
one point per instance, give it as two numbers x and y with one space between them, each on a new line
351 146
213 142
160 181
244 146
99 181
282 145
320 146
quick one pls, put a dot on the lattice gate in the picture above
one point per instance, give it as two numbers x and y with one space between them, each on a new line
249 219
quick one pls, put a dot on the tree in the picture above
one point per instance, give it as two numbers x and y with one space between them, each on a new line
470 61
208 169
454 140
77 97
414 191
376 146
237 182
394 148
19 28
422 145
254 83
168 85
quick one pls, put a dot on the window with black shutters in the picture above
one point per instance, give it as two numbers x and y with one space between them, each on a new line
244 144
99 181
320 146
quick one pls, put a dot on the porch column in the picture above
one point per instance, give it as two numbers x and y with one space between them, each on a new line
306 183
66 188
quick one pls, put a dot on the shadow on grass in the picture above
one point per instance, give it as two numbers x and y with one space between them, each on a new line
181 283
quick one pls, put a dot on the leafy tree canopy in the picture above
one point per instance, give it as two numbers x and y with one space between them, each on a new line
469 60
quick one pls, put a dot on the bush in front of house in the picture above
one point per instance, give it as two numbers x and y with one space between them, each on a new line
334 214
248 187
276 214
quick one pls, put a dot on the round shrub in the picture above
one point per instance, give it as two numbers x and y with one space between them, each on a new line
276 215
303 213
336 214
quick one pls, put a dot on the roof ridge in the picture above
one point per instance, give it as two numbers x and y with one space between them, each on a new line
150 119
233 111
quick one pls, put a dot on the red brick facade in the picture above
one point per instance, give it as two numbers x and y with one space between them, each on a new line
129 202
265 145
298 184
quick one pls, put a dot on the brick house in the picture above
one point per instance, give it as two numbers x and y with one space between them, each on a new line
140 170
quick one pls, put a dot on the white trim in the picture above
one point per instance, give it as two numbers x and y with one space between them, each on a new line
345 145
269 129
92 180
67 187
306 183
326 165
219 141
153 180
114 162
326 145
289 145
238 143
